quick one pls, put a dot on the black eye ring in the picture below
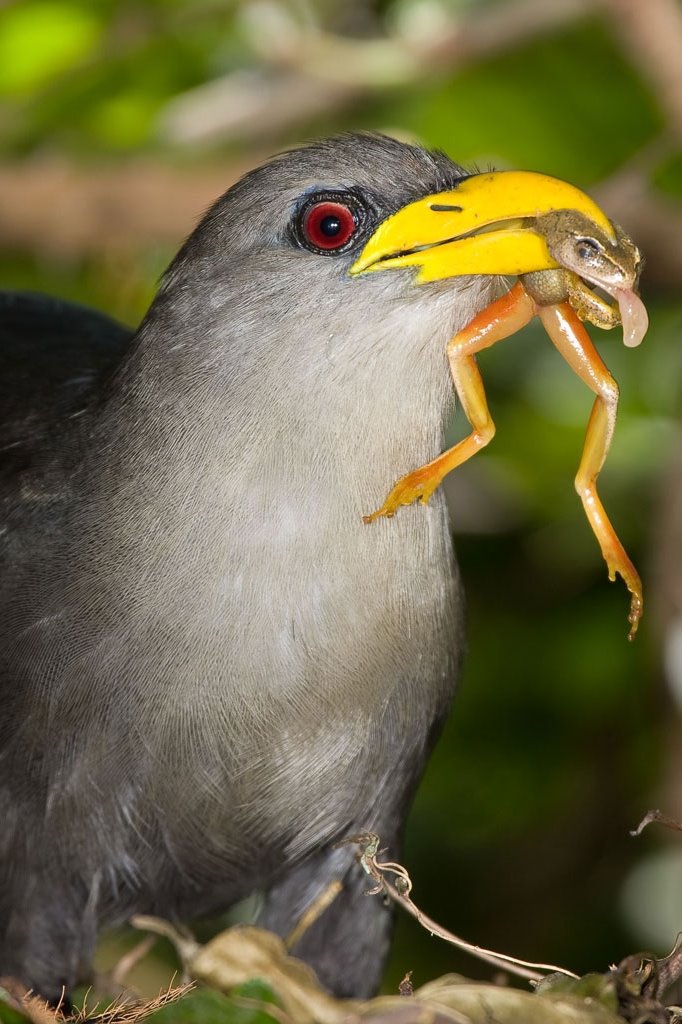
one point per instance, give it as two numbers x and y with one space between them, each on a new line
330 222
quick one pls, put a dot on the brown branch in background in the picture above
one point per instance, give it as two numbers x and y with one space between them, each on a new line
56 208
502 27
651 35
305 71
252 105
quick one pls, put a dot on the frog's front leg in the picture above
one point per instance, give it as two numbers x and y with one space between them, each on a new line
499 320
590 306
573 342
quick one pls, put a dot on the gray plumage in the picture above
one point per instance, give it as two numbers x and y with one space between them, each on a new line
210 668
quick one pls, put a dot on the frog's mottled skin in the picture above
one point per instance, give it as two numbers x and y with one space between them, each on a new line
585 253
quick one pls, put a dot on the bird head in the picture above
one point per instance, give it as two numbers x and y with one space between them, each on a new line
267 276
283 285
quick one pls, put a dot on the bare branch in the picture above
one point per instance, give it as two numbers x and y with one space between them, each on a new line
306 71
57 208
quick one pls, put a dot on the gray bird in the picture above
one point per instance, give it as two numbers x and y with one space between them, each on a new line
211 669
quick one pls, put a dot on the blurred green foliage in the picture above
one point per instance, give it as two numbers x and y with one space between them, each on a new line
8 1015
206 1006
556 745
41 41
534 108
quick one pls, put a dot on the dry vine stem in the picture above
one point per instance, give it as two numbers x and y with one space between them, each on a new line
656 816
399 892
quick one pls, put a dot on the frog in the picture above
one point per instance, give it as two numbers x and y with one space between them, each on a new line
583 256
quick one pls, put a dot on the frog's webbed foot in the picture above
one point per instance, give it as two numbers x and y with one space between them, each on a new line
418 485
503 317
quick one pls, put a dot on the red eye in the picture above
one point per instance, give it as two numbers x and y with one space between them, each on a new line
328 225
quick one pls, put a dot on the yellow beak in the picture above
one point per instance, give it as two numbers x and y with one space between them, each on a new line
485 225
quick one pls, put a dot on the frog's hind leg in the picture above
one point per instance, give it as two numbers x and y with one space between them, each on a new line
573 342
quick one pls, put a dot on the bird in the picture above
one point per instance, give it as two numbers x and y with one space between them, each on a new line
212 670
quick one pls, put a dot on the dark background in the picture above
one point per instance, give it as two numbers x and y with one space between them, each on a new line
122 121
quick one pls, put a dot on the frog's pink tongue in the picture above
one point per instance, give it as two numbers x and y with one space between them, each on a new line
633 315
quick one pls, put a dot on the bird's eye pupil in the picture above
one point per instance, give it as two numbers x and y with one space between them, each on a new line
330 226
327 225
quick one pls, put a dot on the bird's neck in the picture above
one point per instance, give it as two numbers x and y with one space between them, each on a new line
227 411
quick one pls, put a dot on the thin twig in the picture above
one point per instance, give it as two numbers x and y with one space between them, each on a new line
656 816
311 914
399 892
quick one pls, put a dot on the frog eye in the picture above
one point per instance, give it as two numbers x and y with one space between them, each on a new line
588 248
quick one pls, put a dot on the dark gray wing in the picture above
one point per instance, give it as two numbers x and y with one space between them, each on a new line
52 354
